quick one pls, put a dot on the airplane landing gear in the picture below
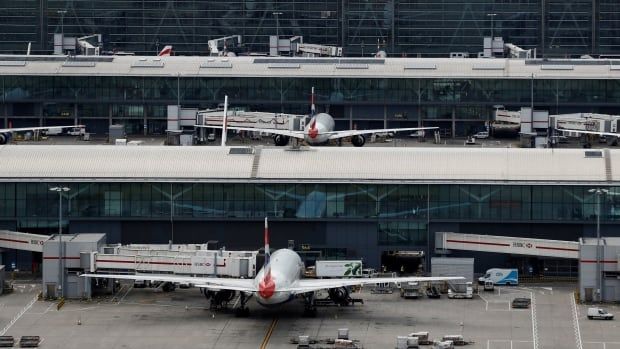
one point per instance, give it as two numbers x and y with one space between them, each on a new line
242 310
309 305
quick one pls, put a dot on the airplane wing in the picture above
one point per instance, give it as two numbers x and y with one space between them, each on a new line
35 128
350 133
244 285
275 131
589 132
309 285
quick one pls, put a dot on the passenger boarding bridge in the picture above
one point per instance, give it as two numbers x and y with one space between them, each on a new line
88 253
507 245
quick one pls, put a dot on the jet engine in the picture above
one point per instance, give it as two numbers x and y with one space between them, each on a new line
281 140
218 298
5 138
358 140
339 295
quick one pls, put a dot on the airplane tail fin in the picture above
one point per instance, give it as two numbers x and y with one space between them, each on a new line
166 51
267 252
312 106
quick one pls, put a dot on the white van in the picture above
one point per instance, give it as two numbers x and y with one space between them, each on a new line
508 277
53 131
599 313
482 135
76 131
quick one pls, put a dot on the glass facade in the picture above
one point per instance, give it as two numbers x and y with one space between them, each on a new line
401 27
416 204
133 100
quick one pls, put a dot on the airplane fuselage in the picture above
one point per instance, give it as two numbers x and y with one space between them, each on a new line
286 268
315 130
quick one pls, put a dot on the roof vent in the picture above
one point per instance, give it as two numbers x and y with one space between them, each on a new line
593 154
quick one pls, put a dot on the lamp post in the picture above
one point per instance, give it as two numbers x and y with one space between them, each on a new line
61 271
62 29
492 15
277 14
599 280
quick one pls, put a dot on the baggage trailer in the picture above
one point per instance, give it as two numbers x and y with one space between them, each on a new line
423 337
456 339
410 290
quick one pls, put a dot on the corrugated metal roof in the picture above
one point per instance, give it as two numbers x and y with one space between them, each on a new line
321 67
324 164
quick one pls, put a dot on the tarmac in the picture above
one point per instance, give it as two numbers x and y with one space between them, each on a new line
145 318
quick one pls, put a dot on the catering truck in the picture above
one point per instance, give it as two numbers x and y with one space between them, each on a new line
509 277
352 268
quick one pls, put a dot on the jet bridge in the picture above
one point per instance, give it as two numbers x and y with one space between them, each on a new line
174 259
22 241
82 253
507 244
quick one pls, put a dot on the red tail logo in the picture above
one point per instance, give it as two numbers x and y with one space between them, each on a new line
167 51
313 132
267 286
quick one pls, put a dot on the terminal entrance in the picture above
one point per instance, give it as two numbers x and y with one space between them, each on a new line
404 262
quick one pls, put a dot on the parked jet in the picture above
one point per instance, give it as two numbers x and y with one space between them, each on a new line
7 133
319 131
279 281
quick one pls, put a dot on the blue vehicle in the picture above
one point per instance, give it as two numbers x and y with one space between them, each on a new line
508 277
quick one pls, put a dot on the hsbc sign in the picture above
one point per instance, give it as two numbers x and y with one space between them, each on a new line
522 244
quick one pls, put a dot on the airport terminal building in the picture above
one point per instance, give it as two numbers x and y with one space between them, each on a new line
457 95
400 27
334 202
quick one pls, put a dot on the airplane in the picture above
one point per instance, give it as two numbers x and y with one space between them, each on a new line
7 133
319 131
277 282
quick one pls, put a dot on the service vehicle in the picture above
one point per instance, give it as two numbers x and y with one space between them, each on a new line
489 285
444 345
423 337
461 290
369 272
76 131
410 290
499 276
456 339
470 141
338 268
54 131
482 135
521 303
600 314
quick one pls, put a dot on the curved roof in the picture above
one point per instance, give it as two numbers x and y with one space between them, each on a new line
322 164
196 66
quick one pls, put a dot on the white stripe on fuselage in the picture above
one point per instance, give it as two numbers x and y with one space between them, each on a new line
286 269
